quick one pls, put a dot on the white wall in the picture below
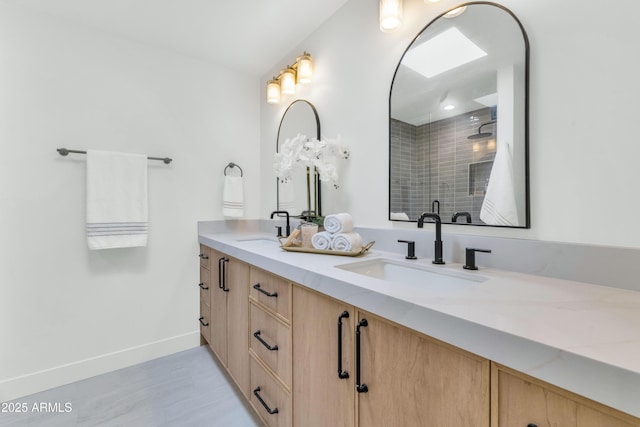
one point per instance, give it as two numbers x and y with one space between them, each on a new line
584 138
65 312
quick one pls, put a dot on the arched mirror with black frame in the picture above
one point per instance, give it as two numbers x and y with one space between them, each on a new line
458 121
300 195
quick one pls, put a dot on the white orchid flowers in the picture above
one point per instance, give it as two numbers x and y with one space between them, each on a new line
302 152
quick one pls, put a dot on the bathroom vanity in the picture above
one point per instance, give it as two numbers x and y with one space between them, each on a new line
311 340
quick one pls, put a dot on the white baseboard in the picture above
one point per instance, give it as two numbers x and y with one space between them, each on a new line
35 382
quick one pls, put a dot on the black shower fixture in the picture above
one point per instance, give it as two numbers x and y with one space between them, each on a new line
481 134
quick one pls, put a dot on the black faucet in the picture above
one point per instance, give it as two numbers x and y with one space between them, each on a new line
287 214
438 243
467 215
435 206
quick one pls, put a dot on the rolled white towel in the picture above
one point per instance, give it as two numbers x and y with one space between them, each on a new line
338 223
322 240
347 242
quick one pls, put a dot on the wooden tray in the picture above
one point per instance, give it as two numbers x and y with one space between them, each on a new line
362 250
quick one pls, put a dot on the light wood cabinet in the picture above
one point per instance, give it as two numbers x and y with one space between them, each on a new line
205 296
303 359
270 347
322 397
520 400
414 380
229 318
407 379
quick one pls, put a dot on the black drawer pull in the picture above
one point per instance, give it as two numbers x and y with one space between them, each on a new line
531 425
203 287
341 374
203 256
256 335
202 323
360 388
256 393
222 273
269 294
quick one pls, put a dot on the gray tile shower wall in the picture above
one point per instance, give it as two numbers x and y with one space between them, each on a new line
437 161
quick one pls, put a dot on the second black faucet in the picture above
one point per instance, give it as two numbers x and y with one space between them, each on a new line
437 259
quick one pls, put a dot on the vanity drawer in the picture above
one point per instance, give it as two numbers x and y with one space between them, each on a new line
205 286
204 320
272 291
205 255
270 340
269 398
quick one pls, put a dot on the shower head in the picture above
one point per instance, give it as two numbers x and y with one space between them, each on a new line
481 134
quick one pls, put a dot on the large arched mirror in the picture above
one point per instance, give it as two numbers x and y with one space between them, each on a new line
458 127
300 195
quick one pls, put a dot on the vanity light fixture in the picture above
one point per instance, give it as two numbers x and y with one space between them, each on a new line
273 91
288 81
285 83
390 15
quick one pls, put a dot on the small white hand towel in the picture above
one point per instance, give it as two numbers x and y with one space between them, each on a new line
338 223
233 197
117 201
347 242
499 205
322 240
286 196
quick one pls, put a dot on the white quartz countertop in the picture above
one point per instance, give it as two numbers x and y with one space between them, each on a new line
578 336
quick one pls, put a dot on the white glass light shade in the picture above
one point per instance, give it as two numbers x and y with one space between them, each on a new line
273 91
305 68
390 15
288 82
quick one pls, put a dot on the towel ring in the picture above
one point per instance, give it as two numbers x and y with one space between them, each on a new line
233 165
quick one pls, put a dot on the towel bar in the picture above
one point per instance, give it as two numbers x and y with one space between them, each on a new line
65 152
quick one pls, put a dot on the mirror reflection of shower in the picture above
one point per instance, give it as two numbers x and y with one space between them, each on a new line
480 134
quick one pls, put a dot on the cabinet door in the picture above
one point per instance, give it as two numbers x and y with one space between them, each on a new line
237 284
218 324
519 400
413 380
320 397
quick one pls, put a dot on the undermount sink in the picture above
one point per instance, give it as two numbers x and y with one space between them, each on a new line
403 272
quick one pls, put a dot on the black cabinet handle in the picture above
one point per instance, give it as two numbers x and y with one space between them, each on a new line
202 323
203 256
341 374
203 287
256 335
360 388
222 273
259 289
256 393
531 425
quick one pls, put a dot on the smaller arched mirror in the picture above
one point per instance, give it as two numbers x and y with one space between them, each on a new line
300 195
458 125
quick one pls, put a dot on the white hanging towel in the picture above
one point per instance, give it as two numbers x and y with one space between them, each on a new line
117 201
286 197
499 205
233 198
